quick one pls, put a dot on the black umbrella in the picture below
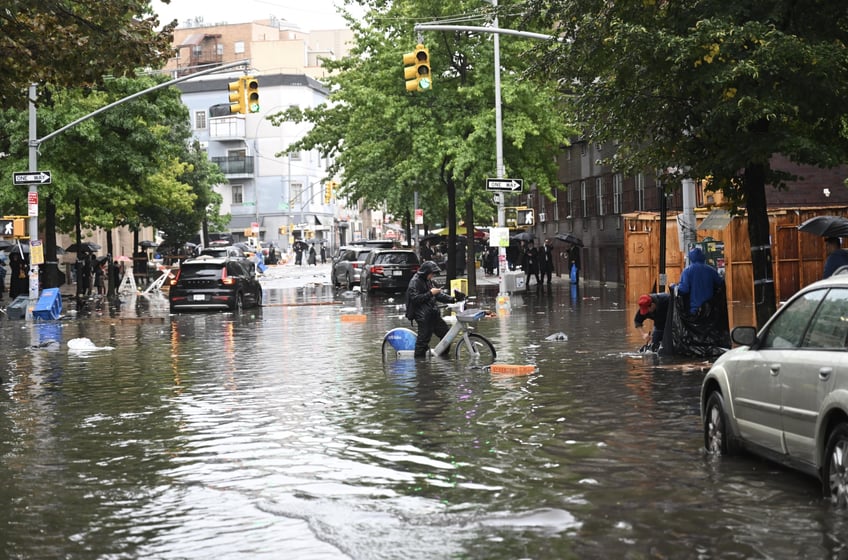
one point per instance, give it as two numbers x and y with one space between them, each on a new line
84 247
147 244
5 245
523 236
568 238
826 226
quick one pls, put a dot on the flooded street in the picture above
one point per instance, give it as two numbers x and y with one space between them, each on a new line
280 434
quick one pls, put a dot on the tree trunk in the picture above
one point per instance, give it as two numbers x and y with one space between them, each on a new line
50 275
758 233
470 263
451 272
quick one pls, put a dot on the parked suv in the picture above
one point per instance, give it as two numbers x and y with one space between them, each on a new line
783 394
347 266
209 283
389 269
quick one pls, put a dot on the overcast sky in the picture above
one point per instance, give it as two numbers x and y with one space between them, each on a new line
308 14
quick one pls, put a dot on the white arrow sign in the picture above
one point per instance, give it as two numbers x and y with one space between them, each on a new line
504 185
31 178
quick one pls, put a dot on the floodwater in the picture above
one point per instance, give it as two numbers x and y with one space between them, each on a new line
280 434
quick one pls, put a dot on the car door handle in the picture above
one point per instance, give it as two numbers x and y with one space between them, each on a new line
824 373
774 369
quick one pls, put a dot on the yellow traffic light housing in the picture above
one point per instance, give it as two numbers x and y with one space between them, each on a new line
237 97
417 69
328 192
251 86
19 227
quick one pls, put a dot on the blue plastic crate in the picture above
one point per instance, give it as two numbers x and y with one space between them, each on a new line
49 305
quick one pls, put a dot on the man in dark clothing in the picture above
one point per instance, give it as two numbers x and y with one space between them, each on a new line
422 297
530 264
546 261
654 307
836 256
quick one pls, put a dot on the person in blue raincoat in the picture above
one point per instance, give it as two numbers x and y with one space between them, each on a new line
699 280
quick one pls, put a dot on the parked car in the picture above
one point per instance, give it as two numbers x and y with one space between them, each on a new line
222 251
347 266
210 283
389 270
783 394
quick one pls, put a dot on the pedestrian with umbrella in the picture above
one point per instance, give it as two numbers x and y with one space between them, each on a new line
836 256
832 228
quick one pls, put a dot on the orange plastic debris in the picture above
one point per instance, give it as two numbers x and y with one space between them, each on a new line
512 369
352 318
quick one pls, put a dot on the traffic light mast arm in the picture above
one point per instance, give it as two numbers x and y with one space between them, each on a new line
497 30
35 142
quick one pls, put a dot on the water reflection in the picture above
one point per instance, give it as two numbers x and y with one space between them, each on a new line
280 433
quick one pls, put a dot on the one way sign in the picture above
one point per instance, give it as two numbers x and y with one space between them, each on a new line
31 178
504 185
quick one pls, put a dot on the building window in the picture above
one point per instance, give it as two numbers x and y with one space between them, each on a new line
200 120
599 190
296 195
238 194
583 200
238 47
617 189
219 49
640 192
556 205
569 203
294 156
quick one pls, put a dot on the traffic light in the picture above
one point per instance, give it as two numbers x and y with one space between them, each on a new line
252 87
19 227
237 97
417 69
328 191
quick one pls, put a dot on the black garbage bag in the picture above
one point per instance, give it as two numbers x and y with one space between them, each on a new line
705 334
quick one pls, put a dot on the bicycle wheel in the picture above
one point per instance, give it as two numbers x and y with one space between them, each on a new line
481 352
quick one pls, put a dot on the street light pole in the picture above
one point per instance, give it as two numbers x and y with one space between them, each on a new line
503 296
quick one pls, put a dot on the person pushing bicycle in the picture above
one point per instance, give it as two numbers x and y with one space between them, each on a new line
422 299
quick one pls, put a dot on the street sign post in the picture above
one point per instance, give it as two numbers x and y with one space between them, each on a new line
32 178
505 185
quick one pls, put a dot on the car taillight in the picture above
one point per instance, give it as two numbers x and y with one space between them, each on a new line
376 270
414 268
174 278
355 265
227 280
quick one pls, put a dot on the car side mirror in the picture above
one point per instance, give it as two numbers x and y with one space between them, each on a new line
745 336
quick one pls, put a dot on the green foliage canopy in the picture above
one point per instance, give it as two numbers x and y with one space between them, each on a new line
69 43
386 142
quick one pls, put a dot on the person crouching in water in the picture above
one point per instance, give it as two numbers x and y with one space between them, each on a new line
654 307
422 297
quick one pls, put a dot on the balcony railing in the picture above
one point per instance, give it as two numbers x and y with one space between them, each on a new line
235 165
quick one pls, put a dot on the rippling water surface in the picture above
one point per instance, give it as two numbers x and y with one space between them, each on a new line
280 434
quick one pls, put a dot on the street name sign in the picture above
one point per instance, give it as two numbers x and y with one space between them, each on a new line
505 185
31 178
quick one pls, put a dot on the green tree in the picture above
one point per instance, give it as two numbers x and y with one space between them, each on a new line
387 143
70 43
710 89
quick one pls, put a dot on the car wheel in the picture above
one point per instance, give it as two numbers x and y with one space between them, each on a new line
716 439
259 298
835 474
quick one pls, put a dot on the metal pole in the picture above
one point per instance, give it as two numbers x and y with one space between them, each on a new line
33 194
503 296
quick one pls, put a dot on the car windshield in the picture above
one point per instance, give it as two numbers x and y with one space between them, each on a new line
208 270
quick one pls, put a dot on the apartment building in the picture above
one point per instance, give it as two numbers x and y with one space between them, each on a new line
279 198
